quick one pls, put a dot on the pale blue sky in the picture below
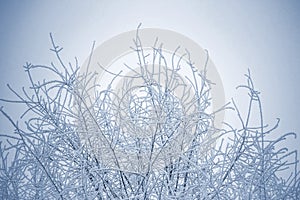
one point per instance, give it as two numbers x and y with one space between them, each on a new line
261 35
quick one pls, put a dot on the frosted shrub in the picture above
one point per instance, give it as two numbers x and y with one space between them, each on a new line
152 138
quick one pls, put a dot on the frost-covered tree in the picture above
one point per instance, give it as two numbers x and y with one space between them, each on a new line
144 140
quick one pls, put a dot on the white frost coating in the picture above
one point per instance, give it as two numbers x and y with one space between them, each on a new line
53 152
174 97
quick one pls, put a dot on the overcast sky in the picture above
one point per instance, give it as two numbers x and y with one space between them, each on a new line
261 35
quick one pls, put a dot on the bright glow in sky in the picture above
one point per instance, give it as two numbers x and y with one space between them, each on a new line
261 35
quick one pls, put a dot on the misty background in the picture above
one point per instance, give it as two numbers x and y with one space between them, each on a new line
263 36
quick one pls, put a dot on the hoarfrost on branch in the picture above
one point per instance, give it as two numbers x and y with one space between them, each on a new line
142 141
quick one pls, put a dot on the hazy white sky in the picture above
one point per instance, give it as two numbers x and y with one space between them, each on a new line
261 35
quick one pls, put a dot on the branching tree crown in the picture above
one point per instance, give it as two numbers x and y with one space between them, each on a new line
152 138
